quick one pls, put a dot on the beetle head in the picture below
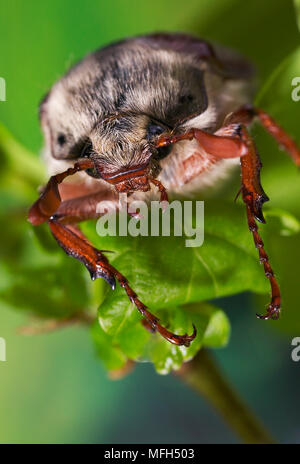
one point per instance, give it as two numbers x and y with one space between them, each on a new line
124 152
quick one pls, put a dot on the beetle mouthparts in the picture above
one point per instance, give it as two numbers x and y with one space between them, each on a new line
128 180
134 179
140 183
125 174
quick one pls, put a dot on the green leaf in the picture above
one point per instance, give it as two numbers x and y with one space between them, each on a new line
167 276
133 342
111 356
165 273
137 344
218 330
39 279
213 329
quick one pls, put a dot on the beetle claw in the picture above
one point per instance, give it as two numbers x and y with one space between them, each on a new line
179 340
272 313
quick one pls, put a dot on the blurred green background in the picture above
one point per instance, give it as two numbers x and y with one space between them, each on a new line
52 387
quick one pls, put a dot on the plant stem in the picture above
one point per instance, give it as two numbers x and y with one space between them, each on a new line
39 326
204 376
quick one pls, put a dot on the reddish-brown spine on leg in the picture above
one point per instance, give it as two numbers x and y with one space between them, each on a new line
254 197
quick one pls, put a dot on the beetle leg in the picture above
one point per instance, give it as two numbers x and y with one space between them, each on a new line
281 137
59 216
252 192
152 320
233 140
75 245
254 197
217 145
49 201
248 113
250 165
245 116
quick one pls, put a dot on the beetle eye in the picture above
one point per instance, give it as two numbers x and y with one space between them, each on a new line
154 129
61 139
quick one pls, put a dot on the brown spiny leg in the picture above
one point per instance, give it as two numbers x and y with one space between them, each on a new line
248 113
98 266
254 197
231 141
49 201
73 242
252 192
232 146
279 134
217 145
